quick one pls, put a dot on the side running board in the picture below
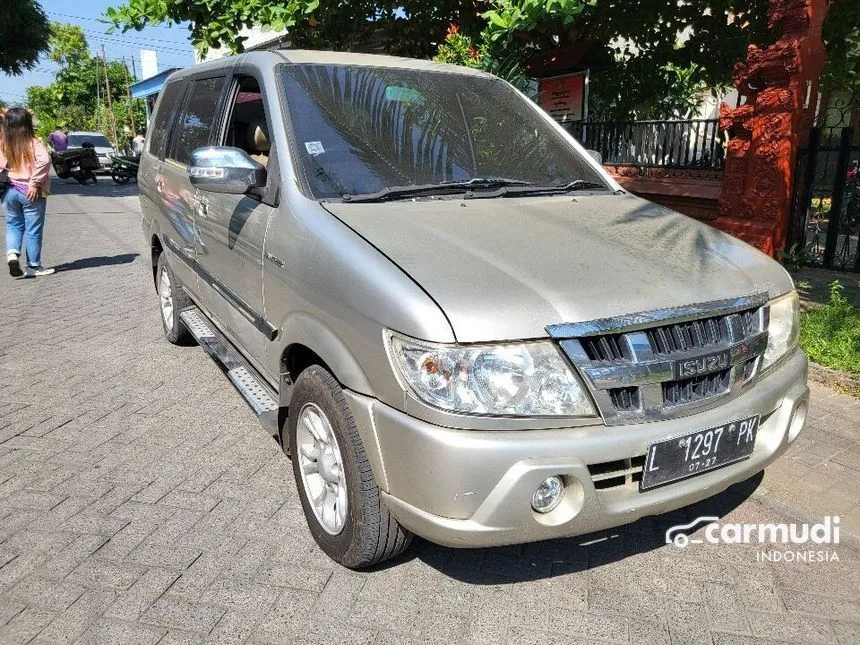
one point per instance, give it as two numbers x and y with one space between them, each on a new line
251 385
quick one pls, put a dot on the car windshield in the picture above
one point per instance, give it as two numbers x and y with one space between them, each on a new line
98 140
361 130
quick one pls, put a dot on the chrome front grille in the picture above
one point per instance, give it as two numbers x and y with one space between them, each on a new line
606 348
680 337
661 364
690 390
624 398
612 474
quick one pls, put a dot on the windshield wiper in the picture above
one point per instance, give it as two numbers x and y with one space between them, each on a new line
486 182
583 184
451 186
520 191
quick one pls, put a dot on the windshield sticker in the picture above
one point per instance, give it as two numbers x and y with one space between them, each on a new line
314 147
403 95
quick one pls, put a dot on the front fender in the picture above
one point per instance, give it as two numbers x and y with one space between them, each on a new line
310 331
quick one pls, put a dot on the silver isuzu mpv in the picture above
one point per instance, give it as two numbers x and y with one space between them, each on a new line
453 320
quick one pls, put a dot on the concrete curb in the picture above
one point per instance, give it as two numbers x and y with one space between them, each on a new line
844 382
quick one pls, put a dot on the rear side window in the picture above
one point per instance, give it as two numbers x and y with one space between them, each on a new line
197 118
161 123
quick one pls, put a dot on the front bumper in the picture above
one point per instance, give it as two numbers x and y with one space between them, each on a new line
471 488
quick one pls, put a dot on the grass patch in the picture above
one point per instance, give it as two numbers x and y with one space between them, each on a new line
830 334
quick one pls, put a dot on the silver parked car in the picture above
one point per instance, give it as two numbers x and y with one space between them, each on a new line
103 147
453 320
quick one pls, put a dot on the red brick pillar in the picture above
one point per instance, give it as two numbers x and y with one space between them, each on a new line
780 83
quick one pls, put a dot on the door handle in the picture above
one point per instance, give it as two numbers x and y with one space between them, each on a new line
159 185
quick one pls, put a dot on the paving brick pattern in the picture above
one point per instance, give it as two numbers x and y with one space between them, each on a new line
140 502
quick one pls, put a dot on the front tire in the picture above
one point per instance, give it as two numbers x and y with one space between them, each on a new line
172 300
120 177
338 492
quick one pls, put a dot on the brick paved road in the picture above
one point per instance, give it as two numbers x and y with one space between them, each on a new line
141 503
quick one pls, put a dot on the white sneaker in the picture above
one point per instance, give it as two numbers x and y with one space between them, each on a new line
32 272
14 264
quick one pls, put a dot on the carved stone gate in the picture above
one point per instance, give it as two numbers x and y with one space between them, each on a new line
766 132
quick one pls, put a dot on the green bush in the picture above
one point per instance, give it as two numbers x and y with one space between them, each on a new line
830 334
458 49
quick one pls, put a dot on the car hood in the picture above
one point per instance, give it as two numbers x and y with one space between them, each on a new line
505 268
100 150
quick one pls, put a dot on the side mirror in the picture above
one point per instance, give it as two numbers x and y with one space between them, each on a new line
597 156
221 169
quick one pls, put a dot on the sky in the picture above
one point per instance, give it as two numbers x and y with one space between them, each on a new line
171 43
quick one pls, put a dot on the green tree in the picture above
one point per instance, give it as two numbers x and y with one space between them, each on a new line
842 39
653 57
68 44
460 49
23 35
403 27
77 99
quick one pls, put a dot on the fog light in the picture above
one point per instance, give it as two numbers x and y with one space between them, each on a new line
547 496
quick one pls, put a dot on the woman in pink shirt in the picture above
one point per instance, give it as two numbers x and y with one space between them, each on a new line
28 163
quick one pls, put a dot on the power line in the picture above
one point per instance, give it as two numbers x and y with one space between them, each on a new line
99 33
107 35
66 15
135 43
121 39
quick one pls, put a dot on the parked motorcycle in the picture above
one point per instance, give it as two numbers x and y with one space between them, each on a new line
78 164
850 218
123 169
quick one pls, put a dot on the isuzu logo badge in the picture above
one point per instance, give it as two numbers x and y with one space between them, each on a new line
707 364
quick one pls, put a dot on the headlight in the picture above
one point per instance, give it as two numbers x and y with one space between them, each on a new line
523 379
783 328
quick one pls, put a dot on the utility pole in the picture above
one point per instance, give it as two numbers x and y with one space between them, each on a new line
128 93
109 100
98 96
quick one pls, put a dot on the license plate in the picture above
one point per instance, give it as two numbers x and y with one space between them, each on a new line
715 362
692 454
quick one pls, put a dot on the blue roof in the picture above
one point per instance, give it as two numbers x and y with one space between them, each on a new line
151 85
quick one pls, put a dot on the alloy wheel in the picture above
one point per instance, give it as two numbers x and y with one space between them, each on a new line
321 465
165 293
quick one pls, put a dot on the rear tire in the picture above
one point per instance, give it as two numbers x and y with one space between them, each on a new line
363 533
172 300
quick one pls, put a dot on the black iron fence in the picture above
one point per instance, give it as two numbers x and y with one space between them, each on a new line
691 143
825 225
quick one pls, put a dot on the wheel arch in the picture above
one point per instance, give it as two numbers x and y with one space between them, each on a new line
312 342
156 249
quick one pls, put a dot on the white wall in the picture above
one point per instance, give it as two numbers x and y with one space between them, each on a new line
255 36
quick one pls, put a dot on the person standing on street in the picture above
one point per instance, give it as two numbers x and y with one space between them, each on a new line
58 140
4 179
138 143
27 162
